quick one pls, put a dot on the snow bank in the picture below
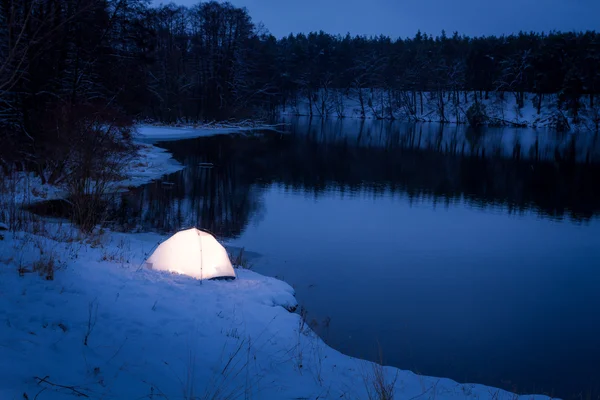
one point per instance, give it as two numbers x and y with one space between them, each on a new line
108 329
163 133
151 163
500 110
155 133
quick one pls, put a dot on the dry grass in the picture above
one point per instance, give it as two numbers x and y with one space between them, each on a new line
46 266
240 261
119 254
377 385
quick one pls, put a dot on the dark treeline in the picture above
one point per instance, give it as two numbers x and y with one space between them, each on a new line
64 60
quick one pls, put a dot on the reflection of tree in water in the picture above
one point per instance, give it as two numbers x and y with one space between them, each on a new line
555 175
220 199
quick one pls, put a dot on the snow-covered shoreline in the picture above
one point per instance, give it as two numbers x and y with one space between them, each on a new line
107 328
156 132
500 108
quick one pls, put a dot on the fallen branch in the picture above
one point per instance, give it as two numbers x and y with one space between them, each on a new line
515 124
71 388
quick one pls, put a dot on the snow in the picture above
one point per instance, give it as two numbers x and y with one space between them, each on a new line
161 133
151 163
24 188
504 111
156 333
108 328
155 133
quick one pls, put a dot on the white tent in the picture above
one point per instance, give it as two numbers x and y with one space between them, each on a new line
192 252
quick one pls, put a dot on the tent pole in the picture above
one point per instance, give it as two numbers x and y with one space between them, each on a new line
201 259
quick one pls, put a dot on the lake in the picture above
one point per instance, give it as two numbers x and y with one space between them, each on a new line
454 252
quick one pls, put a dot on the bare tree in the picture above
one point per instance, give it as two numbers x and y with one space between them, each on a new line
514 76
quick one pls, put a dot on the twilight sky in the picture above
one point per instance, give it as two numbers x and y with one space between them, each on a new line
404 17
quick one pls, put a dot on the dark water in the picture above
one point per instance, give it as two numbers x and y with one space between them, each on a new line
473 255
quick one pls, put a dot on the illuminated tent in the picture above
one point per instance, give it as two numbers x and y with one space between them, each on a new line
194 253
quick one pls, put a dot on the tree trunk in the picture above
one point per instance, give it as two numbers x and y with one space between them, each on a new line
421 97
442 112
362 103
521 99
390 105
539 105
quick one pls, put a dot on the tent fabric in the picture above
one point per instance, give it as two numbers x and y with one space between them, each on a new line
194 253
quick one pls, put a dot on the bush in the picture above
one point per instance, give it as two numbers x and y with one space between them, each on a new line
558 121
477 115
94 148
46 266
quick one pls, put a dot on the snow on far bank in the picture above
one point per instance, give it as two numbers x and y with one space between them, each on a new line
155 133
151 163
501 109
108 329
165 133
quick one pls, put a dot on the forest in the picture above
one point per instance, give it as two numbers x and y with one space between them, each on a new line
68 67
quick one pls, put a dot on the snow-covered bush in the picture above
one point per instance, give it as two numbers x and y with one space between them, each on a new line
477 114
557 120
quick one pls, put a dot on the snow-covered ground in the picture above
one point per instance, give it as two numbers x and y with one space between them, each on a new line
501 110
155 133
107 328
165 133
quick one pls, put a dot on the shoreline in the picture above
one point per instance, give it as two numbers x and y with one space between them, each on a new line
500 109
216 335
